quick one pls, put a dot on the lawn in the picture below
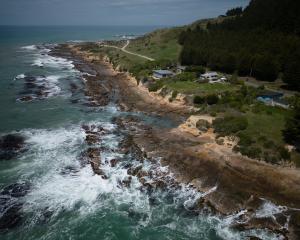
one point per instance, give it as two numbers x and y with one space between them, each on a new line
268 123
200 88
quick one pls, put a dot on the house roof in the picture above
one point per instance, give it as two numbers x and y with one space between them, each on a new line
210 74
163 72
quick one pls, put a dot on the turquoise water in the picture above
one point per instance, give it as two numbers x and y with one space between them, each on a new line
79 204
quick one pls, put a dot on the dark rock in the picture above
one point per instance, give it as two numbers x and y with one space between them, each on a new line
26 99
113 162
10 146
126 182
134 171
85 127
253 238
16 190
142 173
295 223
92 139
11 217
74 101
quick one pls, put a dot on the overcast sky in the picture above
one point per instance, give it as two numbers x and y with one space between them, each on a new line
111 12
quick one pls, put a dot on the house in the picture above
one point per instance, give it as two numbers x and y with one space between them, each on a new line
210 76
158 74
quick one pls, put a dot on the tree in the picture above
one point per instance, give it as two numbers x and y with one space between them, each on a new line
291 74
265 68
234 11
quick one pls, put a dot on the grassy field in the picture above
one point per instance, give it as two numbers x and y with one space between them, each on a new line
160 44
268 123
200 89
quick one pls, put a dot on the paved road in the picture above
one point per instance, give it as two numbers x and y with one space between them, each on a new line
123 49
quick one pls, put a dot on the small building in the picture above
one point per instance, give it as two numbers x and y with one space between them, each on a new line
211 76
158 74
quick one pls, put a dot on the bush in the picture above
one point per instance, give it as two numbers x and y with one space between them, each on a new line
252 152
198 100
230 124
212 99
245 139
155 86
284 153
213 114
268 144
174 94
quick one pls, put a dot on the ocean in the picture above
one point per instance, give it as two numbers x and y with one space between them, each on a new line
63 199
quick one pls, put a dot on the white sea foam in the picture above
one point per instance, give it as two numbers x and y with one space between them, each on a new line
30 47
20 76
268 209
56 149
53 62
50 83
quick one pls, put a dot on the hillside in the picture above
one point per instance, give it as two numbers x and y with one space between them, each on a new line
263 42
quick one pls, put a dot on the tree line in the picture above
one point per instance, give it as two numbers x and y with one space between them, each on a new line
262 41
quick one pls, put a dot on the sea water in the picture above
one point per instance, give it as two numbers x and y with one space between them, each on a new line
67 200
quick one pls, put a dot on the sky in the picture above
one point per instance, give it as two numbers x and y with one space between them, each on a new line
111 12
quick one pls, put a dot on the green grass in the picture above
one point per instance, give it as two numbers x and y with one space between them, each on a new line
266 124
160 44
200 88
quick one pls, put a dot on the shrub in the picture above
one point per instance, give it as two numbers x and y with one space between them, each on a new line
284 153
198 100
230 124
252 152
212 99
213 114
245 139
269 144
174 94
155 86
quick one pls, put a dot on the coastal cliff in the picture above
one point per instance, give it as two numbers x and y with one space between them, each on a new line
232 183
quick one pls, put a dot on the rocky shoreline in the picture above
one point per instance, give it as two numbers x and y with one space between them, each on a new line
232 183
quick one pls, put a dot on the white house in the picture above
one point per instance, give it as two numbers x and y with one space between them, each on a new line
211 76
158 74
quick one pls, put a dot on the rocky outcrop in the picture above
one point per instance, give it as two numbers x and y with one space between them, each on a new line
11 145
